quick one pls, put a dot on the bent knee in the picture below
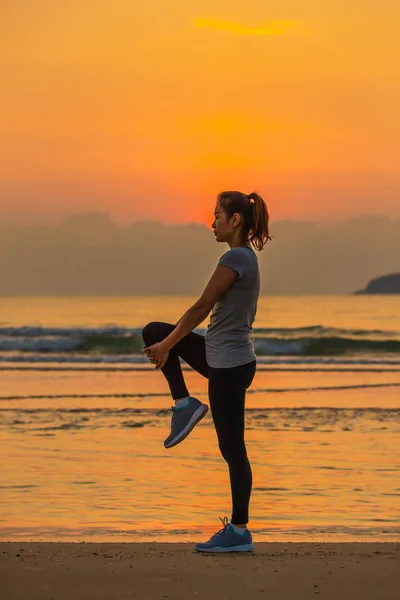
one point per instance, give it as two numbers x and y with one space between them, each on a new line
149 331
155 331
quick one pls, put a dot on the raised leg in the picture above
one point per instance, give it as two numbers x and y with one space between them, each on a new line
191 349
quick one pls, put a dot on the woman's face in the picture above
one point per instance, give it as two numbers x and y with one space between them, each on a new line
223 230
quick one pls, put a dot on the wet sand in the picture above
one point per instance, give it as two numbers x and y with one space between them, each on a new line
175 571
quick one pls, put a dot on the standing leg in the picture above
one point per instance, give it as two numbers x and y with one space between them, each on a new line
191 348
227 392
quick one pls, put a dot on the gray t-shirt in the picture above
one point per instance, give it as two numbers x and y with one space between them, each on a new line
228 338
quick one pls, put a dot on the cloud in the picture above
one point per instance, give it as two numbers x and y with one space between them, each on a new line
272 28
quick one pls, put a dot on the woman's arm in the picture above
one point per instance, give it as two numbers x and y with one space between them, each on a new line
220 281
189 321
177 323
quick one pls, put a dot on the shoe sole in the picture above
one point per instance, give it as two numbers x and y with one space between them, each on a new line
243 548
195 418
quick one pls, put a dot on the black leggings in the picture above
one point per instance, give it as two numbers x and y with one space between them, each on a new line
226 392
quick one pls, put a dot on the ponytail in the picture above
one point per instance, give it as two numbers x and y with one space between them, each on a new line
259 234
255 215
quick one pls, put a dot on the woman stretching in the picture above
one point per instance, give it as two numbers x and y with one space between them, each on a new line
225 355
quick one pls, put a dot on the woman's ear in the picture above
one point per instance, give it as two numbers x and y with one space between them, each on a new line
236 219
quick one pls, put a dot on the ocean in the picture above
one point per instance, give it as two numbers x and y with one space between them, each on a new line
82 429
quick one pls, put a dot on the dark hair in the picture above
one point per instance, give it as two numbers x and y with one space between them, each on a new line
254 212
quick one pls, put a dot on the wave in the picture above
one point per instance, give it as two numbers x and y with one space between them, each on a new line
45 421
118 363
113 343
324 346
145 396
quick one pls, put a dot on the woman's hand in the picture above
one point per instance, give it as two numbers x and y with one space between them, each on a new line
157 354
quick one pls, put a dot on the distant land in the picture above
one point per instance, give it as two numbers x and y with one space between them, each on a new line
386 284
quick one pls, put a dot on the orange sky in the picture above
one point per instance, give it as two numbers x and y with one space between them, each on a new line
149 109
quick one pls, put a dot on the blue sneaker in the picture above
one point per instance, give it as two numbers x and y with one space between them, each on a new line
228 540
184 418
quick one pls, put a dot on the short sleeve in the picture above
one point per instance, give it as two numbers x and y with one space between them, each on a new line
235 259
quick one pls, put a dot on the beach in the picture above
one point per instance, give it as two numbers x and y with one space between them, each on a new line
277 571
92 504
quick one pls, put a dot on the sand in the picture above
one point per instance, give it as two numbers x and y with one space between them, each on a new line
174 571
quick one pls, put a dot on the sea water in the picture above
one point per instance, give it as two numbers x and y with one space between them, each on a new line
81 429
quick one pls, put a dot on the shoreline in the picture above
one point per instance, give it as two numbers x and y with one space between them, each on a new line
174 538
147 570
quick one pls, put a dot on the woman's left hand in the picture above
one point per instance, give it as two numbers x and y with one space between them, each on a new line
157 354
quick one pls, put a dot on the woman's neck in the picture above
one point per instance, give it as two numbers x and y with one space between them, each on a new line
239 245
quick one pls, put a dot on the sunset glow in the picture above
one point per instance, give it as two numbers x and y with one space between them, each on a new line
148 111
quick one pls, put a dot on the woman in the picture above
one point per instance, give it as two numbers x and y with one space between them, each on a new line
225 355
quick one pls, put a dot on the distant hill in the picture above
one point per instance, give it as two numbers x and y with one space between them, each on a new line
387 284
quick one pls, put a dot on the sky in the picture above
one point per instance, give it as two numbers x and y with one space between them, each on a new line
147 110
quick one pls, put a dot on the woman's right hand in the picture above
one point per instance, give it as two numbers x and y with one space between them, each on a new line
157 354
